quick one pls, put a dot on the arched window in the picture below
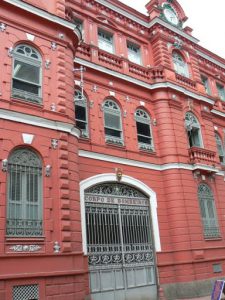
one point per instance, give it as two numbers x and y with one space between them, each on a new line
208 211
193 130
24 207
81 117
26 78
143 130
220 148
112 123
180 65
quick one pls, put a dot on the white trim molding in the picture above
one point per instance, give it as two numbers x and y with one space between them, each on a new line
145 165
142 83
109 177
39 122
45 15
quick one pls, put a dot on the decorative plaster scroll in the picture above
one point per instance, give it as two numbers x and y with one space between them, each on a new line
25 248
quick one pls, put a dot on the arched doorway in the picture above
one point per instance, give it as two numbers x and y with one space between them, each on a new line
119 242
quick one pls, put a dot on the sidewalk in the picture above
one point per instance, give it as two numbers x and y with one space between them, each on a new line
201 298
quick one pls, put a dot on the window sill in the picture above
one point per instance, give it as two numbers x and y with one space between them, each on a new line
147 152
208 239
30 104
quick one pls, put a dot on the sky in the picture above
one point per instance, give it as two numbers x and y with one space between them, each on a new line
205 17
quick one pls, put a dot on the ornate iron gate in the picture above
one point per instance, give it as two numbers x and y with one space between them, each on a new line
119 243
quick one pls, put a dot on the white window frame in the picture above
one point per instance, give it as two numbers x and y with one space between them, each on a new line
180 65
141 116
220 149
208 212
81 101
205 82
110 107
193 129
134 53
105 40
221 91
25 54
24 198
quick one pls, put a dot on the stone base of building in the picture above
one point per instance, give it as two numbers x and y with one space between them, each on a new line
185 290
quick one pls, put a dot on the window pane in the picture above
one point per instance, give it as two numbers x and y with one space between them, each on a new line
112 121
80 112
26 72
143 129
26 87
81 125
112 132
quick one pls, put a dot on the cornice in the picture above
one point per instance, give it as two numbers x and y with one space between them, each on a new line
173 28
144 165
142 83
39 122
45 15
209 58
218 113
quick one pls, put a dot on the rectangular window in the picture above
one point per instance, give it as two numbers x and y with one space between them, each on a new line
221 91
134 53
105 41
205 82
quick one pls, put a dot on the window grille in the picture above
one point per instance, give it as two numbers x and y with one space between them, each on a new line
208 212
105 41
113 126
221 91
26 79
81 118
180 65
193 130
24 209
144 136
26 292
205 82
134 53
220 149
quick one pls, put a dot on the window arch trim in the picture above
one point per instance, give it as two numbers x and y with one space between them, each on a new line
180 64
81 112
208 211
112 122
144 131
24 195
27 73
193 129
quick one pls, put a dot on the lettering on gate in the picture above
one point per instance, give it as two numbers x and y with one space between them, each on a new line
116 200
217 290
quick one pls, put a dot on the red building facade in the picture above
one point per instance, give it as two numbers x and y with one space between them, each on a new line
112 153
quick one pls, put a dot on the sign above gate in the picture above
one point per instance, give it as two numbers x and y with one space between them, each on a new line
116 200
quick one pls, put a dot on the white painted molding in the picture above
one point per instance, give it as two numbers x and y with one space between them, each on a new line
39 122
110 177
144 84
30 37
45 15
27 138
144 165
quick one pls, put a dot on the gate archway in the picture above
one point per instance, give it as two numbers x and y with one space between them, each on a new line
119 242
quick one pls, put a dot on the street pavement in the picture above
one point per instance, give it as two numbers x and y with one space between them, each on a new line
200 298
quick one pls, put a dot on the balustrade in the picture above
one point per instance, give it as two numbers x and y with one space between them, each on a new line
201 156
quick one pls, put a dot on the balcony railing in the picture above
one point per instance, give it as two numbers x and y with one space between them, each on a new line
185 81
211 229
110 59
25 228
139 70
201 156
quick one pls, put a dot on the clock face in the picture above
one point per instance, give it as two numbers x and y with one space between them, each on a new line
171 16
